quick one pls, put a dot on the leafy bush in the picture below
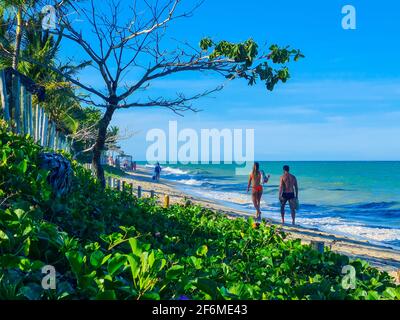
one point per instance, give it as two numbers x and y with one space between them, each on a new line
106 244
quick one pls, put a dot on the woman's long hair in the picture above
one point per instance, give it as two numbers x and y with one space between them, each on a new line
256 168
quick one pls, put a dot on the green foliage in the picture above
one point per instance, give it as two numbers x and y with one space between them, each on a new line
249 64
113 172
61 102
106 244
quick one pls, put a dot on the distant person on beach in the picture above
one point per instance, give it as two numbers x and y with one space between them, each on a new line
125 165
157 172
110 161
256 180
134 165
288 191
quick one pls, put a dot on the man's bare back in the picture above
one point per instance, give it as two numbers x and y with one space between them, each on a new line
288 182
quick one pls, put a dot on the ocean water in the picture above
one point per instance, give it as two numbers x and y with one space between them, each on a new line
357 199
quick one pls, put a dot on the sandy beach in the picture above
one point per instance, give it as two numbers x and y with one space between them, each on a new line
382 257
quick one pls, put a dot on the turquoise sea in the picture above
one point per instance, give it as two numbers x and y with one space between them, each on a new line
358 199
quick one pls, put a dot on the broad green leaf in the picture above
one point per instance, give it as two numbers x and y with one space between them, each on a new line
174 272
208 286
134 246
196 262
202 251
115 263
105 259
373 295
134 265
19 212
75 259
160 264
151 259
391 293
96 258
23 165
4 158
3 235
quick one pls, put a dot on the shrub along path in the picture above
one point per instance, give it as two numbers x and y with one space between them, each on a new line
106 244
382 257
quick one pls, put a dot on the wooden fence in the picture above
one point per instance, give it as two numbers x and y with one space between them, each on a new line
122 185
25 118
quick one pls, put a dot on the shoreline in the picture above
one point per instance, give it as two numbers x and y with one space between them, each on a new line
383 257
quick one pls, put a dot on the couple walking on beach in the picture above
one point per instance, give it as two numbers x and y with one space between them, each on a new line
288 190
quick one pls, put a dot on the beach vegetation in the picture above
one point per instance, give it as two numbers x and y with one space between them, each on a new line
106 244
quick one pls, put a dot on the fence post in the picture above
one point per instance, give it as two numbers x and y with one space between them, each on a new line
45 122
151 193
30 116
139 191
109 181
118 185
16 98
52 134
67 144
44 128
41 125
56 140
3 97
318 245
166 201
60 141
123 186
48 132
33 121
24 110
64 143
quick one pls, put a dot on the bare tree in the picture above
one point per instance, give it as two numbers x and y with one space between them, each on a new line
88 134
118 40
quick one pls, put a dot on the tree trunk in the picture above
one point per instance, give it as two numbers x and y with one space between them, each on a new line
100 143
18 37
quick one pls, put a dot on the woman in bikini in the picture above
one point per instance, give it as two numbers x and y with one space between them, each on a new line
256 180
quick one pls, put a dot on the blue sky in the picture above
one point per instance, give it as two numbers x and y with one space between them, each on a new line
342 102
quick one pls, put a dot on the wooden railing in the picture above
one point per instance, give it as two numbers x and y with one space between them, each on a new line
24 117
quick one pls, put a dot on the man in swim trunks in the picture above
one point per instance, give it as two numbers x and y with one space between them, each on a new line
288 191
